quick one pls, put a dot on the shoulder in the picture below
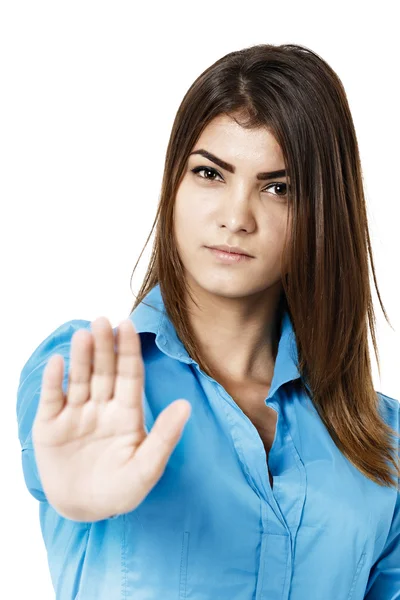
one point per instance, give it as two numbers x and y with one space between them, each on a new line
390 410
388 403
54 343
57 341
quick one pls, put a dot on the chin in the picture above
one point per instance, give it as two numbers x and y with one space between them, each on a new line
231 287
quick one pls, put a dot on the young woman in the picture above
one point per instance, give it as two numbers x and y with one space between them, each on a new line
226 440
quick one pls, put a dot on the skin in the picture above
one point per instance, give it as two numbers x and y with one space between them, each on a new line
238 302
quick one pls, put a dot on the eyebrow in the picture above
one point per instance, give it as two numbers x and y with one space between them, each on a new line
228 167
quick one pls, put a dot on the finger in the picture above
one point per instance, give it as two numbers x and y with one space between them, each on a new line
80 368
154 452
129 379
104 361
52 397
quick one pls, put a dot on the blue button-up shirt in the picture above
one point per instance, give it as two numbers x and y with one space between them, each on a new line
212 528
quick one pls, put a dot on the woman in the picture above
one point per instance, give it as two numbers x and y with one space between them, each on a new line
227 441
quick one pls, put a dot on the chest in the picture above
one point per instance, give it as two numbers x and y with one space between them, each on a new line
266 430
251 400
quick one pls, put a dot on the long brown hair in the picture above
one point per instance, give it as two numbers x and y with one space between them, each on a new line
297 95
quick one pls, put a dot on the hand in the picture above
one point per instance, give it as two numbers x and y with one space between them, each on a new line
93 454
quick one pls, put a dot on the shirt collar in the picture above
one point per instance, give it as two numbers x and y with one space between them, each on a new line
154 319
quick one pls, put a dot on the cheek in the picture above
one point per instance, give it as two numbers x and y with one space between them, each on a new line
276 226
280 228
187 227
189 218
274 240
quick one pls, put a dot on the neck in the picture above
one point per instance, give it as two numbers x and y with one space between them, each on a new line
238 336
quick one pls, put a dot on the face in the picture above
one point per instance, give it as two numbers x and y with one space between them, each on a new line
216 206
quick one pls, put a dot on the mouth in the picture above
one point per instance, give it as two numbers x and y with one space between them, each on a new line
229 257
230 249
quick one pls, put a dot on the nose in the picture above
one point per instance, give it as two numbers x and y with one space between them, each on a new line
236 214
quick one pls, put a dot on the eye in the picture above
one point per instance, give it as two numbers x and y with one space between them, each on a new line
213 172
207 169
279 184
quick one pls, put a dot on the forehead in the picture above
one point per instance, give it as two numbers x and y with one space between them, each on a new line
226 138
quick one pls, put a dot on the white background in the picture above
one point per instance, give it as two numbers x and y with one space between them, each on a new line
89 91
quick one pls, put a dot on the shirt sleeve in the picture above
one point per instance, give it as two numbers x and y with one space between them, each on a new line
384 577
28 394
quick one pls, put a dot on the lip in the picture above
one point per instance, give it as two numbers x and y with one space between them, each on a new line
230 250
229 257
